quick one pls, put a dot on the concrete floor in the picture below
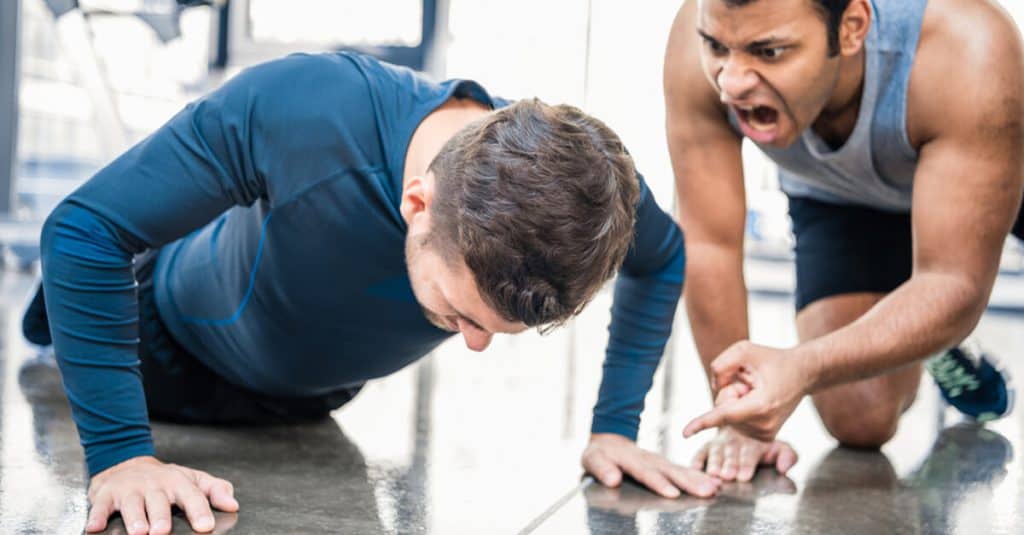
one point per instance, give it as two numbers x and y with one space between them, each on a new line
490 443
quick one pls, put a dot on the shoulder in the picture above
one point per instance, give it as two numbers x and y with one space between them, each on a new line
968 70
292 88
687 89
299 72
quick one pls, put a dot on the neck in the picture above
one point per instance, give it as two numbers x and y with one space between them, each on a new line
435 130
838 118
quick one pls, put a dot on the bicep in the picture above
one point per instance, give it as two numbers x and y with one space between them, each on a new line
968 183
967 192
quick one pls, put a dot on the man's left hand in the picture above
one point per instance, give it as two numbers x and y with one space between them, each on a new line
776 381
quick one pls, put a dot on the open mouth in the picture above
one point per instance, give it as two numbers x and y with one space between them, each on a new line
760 118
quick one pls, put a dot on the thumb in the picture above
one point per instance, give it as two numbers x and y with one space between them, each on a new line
727 366
727 413
732 392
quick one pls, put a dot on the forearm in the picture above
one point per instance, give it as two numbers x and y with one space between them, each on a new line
716 300
929 313
91 301
642 316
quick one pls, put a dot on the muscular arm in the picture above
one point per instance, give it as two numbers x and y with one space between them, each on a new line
967 191
708 169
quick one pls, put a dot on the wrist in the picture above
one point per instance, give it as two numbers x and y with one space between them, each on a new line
809 367
596 437
132 461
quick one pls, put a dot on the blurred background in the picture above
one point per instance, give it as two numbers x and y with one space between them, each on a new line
82 80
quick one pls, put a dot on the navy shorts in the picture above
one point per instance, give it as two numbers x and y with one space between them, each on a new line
849 249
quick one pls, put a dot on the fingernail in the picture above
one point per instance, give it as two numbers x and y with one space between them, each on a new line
138 526
671 492
160 525
708 489
205 522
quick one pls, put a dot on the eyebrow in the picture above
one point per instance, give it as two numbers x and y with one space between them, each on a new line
760 43
467 318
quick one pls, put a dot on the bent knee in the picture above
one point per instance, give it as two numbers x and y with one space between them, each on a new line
863 431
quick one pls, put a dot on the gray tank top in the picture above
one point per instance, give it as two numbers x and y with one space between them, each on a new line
875 167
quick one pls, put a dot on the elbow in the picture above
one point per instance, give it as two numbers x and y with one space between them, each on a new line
50 231
968 300
72 232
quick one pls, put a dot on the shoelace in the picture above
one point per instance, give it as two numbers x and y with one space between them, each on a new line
953 377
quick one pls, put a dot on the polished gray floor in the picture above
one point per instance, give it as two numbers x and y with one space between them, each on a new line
489 443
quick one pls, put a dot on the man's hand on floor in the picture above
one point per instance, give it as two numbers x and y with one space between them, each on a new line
143 489
732 456
609 456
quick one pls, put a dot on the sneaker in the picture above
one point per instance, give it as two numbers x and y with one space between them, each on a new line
972 381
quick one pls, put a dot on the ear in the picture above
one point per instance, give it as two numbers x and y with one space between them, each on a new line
854 26
417 195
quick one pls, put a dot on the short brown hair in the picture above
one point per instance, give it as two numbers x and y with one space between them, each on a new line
540 202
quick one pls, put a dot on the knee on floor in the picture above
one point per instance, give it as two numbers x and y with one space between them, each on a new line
870 430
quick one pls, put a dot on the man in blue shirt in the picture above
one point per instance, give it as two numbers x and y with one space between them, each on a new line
323 220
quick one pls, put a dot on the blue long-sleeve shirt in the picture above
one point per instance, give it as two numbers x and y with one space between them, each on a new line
274 201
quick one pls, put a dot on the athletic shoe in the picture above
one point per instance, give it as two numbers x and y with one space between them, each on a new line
973 382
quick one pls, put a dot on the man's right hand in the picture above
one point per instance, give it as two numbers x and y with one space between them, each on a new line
143 490
732 455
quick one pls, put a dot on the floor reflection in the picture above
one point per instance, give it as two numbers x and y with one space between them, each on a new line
490 443
310 472
954 486
849 490
305 477
619 510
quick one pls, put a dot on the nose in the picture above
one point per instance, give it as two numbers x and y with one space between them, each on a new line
476 339
735 80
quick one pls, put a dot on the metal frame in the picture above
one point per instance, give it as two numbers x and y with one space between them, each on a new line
10 76
235 47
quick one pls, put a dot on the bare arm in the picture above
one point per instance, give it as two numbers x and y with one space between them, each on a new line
709 183
967 191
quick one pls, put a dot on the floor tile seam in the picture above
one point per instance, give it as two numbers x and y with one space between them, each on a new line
555 507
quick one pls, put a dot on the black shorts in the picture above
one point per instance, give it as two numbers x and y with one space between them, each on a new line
848 249
180 388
